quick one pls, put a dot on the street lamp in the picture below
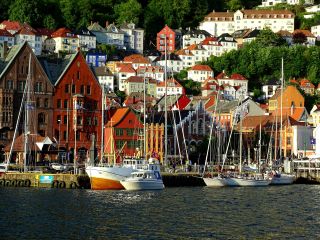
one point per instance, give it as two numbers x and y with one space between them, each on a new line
59 122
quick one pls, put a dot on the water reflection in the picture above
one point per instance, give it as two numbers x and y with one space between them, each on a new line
174 213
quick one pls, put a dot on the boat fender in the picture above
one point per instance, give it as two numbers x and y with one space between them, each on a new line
14 183
73 185
62 184
55 184
20 183
8 183
27 183
2 182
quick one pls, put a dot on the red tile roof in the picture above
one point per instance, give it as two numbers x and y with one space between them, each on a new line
45 31
307 33
266 13
170 83
137 79
219 16
155 69
201 68
136 58
11 25
26 29
234 76
127 68
63 32
211 41
305 83
5 33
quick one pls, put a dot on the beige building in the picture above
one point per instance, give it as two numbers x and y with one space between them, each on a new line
217 23
136 84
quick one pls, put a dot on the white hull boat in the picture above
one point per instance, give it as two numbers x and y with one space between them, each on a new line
215 181
247 182
143 180
282 179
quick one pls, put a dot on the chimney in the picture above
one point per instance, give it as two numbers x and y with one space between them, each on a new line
107 24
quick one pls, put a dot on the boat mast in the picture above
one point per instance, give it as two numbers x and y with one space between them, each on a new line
102 123
27 117
281 101
165 104
240 152
144 118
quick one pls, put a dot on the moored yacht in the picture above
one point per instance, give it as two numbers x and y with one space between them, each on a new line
282 178
108 177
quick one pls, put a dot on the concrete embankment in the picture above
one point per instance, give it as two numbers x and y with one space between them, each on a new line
13 179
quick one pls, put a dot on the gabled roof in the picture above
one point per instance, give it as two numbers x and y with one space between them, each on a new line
96 27
284 33
219 16
26 29
197 32
226 37
5 33
137 79
234 76
102 71
171 82
184 52
44 31
195 47
11 25
266 13
201 68
305 83
149 69
307 33
252 34
211 41
240 33
127 68
136 58
116 118
83 31
63 32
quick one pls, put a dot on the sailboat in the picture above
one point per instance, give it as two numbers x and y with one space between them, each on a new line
279 178
109 176
26 105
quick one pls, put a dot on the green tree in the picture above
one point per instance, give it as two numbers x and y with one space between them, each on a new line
49 22
299 38
69 13
28 11
128 11
235 5
267 37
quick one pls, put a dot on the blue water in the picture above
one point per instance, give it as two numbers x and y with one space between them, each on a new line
273 212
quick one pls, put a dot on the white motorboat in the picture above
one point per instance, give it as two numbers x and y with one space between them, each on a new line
144 180
282 179
3 167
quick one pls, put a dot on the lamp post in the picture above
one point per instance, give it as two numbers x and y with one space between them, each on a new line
59 122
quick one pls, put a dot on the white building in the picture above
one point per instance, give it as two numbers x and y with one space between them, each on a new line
65 40
123 72
133 37
105 78
235 80
187 57
87 40
313 9
269 3
315 30
115 36
30 35
173 88
174 63
154 72
217 23
7 37
270 89
194 36
199 73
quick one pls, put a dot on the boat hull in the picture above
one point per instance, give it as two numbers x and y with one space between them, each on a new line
107 178
283 179
142 184
246 182
215 182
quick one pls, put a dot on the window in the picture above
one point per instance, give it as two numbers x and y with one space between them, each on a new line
79 120
73 88
21 85
88 89
65 119
95 121
41 118
119 132
58 119
46 103
88 121
78 75
82 89
65 103
64 135
9 84
38 102
129 132
59 103
77 135
66 88
38 87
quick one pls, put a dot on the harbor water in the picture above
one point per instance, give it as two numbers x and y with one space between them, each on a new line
272 212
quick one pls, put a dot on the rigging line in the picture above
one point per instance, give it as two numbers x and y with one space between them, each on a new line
211 130
176 132
18 120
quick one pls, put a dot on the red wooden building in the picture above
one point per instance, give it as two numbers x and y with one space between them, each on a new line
77 106
171 40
